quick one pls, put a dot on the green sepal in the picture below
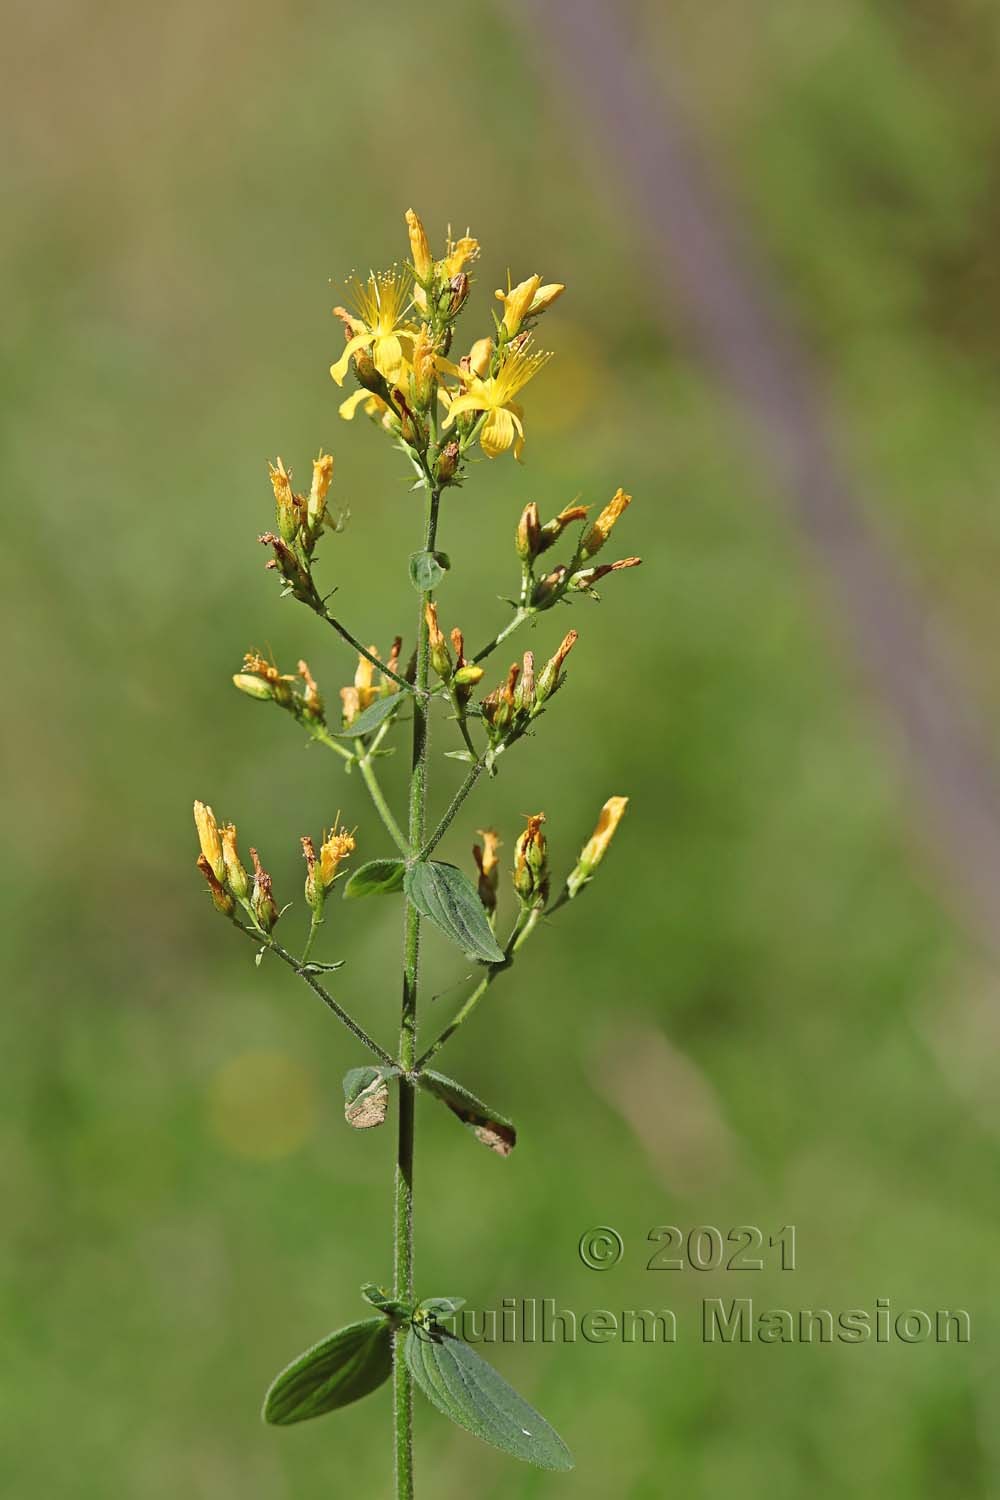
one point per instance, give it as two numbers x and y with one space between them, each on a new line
342 1368
371 717
379 877
447 897
427 569
489 1128
468 1390
434 1309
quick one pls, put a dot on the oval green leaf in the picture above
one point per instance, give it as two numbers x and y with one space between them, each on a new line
427 569
489 1128
371 717
340 1369
379 877
465 1388
447 897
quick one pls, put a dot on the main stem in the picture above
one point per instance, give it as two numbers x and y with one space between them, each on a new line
403 1216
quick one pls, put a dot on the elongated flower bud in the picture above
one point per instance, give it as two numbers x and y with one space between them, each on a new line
236 876
587 577
550 678
605 523
208 838
531 871
254 687
596 846
316 504
447 462
286 508
440 655
261 899
420 250
311 699
488 866
528 540
516 303
553 530
222 899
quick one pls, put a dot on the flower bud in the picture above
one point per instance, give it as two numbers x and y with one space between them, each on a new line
587 577
254 687
312 702
553 530
285 504
550 678
420 250
548 589
524 696
208 838
236 877
261 899
440 655
459 287
480 357
468 675
528 539
544 297
605 523
488 866
597 845
315 891
516 302
447 462
337 845
531 872
424 366
316 504
222 899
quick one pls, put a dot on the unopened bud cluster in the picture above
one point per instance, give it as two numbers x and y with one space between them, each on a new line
522 696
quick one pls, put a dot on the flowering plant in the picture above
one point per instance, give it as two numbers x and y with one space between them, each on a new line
400 338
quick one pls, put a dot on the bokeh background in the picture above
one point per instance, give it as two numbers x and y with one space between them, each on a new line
778 1004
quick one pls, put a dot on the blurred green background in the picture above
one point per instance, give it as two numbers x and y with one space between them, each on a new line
766 1011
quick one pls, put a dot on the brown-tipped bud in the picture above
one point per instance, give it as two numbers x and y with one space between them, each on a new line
420 250
553 530
337 845
605 523
261 898
468 675
287 564
488 866
285 503
587 577
459 286
254 687
315 891
548 589
596 846
222 899
447 462
311 699
551 678
316 504
236 877
529 533
440 655
407 421
208 838
531 872
524 697
392 662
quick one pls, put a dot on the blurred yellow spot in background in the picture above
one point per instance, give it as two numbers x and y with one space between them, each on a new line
569 392
262 1105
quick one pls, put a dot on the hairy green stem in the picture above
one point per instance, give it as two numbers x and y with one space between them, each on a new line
351 640
523 929
403 1207
378 798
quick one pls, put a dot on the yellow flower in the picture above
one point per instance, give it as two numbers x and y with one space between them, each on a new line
208 838
336 846
495 396
362 693
596 846
373 405
381 304
527 300
460 253
605 523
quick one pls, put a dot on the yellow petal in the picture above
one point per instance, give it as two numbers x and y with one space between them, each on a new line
349 407
359 341
497 433
462 404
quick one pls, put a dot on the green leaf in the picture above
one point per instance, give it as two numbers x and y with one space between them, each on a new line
465 1388
386 1302
340 1369
427 569
366 1096
371 717
447 897
437 1308
379 877
489 1128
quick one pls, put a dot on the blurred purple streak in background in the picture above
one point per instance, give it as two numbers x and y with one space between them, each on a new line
700 261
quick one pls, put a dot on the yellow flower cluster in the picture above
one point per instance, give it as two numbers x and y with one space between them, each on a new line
399 328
